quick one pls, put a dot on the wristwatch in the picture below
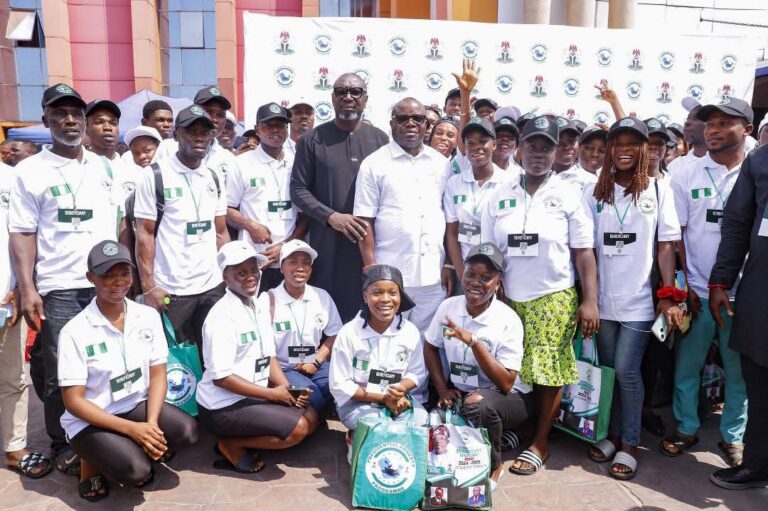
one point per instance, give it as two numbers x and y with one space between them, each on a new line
472 340
317 363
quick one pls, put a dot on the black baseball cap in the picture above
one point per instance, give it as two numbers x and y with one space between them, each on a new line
580 125
486 102
487 251
523 119
453 93
655 127
379 272
676 129
629 124
729 106
191 114
102 103
272 111
672 142
60 91
107 254
507 124
564 124
249 133
592 132
541 126
207 94
478 124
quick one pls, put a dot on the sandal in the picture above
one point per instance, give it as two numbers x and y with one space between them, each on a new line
734 453
509 440
606 448
93 485
167 457
679 442
627 460
248 464
29 462
68 462
532 459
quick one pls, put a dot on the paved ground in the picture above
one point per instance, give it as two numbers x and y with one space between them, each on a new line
315 476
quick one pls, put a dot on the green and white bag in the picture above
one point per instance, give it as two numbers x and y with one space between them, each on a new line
389 462
585 409
183 371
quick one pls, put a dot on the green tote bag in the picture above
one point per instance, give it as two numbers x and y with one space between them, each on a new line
184 371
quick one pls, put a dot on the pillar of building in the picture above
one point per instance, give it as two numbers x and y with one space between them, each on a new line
621 13
310 8
440 9
147 68
226 50
581 13
57 41
536 12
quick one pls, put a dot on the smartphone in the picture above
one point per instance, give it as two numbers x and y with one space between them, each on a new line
4 314
659 328
297 392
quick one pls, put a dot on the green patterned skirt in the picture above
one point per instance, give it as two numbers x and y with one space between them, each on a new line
548 357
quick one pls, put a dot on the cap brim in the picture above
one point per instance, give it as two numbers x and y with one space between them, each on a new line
689 103
215 98
587 134
307 250
469 128
274 116
573 129
103 268
260 259
485 258
302 103
622 129
541 134
708 110
190 122
106 105
64 96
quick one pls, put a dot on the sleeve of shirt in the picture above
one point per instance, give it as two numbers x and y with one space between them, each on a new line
145 206
366 191
23 209
303 180
580 225
509 352
236 183
334 320
451 215
219 347
159 350
434 333
417 369
588 204
72 366
669 225
678 183
341 383
221 198
487 218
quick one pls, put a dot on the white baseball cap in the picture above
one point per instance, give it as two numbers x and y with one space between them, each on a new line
231 117
235 252
689 103
297 246
301 101
763 123
507 111
141 131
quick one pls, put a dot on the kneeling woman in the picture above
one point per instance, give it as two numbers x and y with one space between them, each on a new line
483 342
237 403
377 358
112 375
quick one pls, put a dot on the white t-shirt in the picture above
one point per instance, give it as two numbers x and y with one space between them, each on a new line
259 186
301 322
185 247
555 224
7 274
624 281
404 194
464 200
681 162
234 342
93 353
218 158
499 329
72 206
578 177
358 352
700 192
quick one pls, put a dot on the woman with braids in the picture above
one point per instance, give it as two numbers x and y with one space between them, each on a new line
540 226
377 358
445 137
634 217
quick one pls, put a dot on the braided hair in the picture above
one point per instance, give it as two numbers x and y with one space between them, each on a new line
365 313
640 179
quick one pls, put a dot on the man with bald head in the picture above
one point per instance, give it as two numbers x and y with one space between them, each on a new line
325 168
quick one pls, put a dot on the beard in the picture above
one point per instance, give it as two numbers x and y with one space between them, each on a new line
67 142
349 116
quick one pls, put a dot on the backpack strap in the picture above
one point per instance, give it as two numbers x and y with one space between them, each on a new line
159 194
271 305
216 180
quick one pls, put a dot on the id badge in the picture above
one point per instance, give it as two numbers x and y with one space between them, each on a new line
126 384
714 220
279 210
379 380
523 245
301 354
75 220
261 376
619 243
196 231
469 233
464 374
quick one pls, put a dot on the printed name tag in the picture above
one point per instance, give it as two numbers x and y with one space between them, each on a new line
126 384
714 220
75 220
619 243
196 231
523 245
469 233
301 354
379 380
261 376
464 374
279 209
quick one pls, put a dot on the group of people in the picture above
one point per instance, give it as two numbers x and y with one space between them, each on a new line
334 270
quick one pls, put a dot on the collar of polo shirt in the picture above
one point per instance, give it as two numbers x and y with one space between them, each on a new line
179 167
54 160
96 318
399 152
283 298
486 318
468 176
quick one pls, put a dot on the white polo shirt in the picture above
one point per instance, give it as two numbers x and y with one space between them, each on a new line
301 322
682 162
359 352
499 329
464 200
234 342
624 281
260 187
555 218
701 191
185 247
92 352
578 177
71 205
404 194
289 147
7 275
218 158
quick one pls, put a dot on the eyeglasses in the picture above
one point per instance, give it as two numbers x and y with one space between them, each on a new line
355 92
404 118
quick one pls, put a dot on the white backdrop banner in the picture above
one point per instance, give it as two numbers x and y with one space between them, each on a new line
533 67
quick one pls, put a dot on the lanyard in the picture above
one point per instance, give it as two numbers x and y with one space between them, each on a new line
621 218
280 165
525 197
475 199
717 189
251 310
122 336
72 190
378 350
195 200
303 321
466 346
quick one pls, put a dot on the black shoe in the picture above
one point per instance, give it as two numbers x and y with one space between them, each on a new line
740 478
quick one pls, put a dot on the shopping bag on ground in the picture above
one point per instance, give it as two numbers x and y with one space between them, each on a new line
183 371
389 461
585 409
458 466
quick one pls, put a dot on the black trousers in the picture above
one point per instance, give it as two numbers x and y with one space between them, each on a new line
756 435
187 314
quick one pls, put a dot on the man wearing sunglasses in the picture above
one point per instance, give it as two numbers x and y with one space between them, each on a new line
327 160
399 193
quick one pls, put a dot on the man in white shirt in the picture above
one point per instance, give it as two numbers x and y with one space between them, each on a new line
302 120
259 196
693 132
61 204
176 251
399 192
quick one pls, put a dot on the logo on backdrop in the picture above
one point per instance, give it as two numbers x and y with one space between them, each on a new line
399 79
434 49
284 76
604 56
323 44
635 62
390 468
322 78
601 116
728 63
470 49
665 92
538 87
663 118
667 60
323 111
364 74
284 44
572 56
361 46
504 84
570 114
181 384
696 91
434 81
505 53
397 46
697 63
539 52
634 89
725 92
571 87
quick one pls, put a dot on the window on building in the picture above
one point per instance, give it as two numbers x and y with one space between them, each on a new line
25 28
354 8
